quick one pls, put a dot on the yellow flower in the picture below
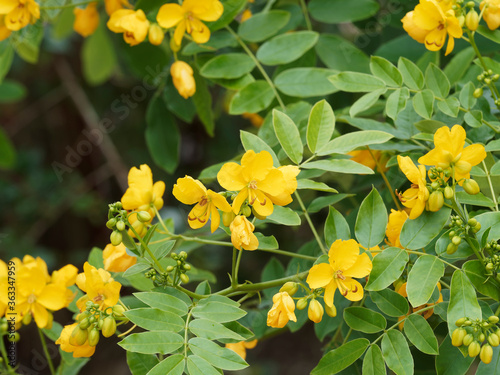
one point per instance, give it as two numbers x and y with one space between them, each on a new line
182 76
36 295
345 263
412 29
114 5
492 13
140 227
116 258
241 347
191 191
99 286
19 13
315 311
247 14
133 24
282 311
242 234
416 196
155 35
142 194
86 20
258 182
449 152
188 17
394 226
4 31
438 19
84 350
255 119
365 157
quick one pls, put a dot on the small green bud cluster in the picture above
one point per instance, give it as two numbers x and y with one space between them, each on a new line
158 278
492 264
459 230
479 336
181 267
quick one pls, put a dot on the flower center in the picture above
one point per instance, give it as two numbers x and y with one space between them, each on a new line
31 299
252 184
338 275
98 298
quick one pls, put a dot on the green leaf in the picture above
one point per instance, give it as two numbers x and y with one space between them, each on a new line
397 353
396 102
267 242
463 300
228 66
386 71
235 84
218 309
366 102
140 364
373 363
284 215
423 278
420 333
220 357
484 284
202 100
493 146
338 166
11 91
336 227
262 26
338 359
322 202
475 200
164 302
450 361
417 233
350 141
450 106
8 154
390 302
198 366
6 58
231 9
180 107
371 220
320 126
211 330
27 42
356 82
466 95
95 258
338 11
313 185
252 142
152 342
436 81
305 82
253 98
288 136
459 65
474 118
339 54
423 103
387 267
412 75
493 35
283 49
173 365
98 57
218 40
162 135
364 320
155 319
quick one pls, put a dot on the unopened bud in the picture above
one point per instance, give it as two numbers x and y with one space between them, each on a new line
448 192
184 278
144 216
457 337
78 336
93 337
109 326
460 322
170 268
315 311
84 324
174 46
27 319
247 211
111 223
481 337
290 287
227 218
493 319
120 225
471 186
187 267
474 349
451 248
331 311
468 339
456 240
118 310
156 34
115 238
477 228
302 303
493 339
472 20
486 353
478 92
183 255
436 201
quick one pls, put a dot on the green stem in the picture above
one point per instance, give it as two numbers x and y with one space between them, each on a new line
264 285
199 240
493 195
259 66
4 355
46 352
186 332
234 281
306 15
68 5
497 311
313 229
388 184
191 294
237 268
145 246
287 253
157 213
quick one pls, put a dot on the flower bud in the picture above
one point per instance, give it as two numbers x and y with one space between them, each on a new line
474 349
27 319
331 311
93 337
457 337
486 353
78 336
493 319
460 322
471 186
478 93
247 211
456 240
436 201
182 76
184 278
481 337
14 337
302 303
115 238
120 225
174 46
109 326
156 34
472 20
84 324
476 228
451 248
255 213
170 268
448 192
183 255
290 287
227 218
315 311
144 216
187 267
468 339
111 223
490 267
493 339
118 310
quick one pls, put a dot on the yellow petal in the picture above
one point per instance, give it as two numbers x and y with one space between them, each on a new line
214 218
319 276
179 33
200 32
140 181
361 268
433 157
330 292
158 190
250 344
170 15
112 293
355 292
230 177
417 209
53 297
456 139
256 166
274 183
40 314
434 41
219 201
343 254
8 5
262 204
206 10
238 201
473 154
409 168
199 216
114 24
188 190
